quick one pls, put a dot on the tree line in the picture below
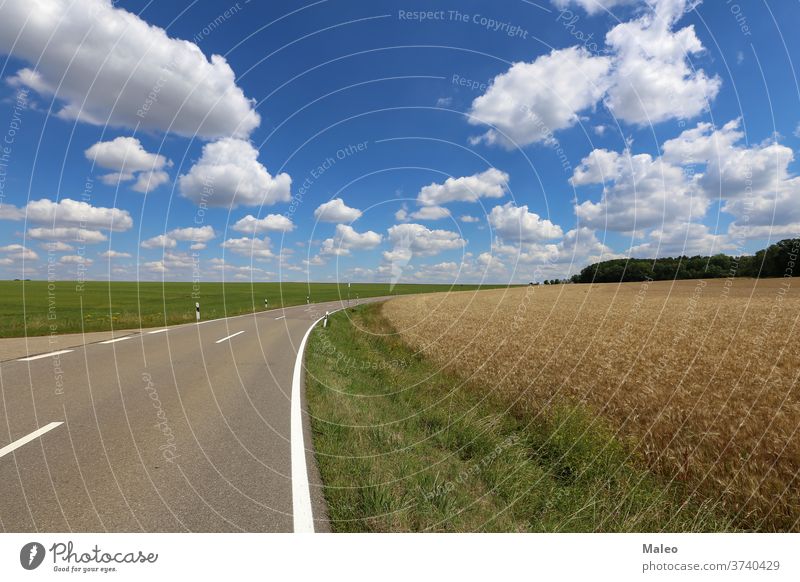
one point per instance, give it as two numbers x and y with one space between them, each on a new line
777 260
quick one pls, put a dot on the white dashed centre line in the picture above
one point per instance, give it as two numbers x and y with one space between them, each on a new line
219 341
26 439
40 356
117 339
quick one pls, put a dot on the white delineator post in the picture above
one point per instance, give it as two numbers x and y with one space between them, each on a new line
197 311
325 321
266 303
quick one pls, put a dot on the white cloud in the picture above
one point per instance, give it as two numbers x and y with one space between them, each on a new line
148 181
253 247
199 235
402 214
468 219
593 6
69 213
270 223
57 247
15 252
162 241
653 80
645 78
681 239
639 192
516 223
75 260
346 239
128 160
336 211
491 183
113 68
420 240
530 101
112 254
430 213
229 173
67 234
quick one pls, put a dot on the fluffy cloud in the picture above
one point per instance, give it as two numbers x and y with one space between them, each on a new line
644 78
430 213
516 223
346 239
420 240
491 183
110 67
253 247
162 241
468 219
229 173
67 234
15 253
199 235
639 192
129 160
593 6
69 213
75 260
270 223
530 101
336 211
111 254
681 239
653 80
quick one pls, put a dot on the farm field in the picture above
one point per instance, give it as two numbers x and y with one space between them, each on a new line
102 306
698 379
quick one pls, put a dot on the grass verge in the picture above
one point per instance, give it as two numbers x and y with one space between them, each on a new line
404 447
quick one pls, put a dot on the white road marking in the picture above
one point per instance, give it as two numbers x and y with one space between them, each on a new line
117 339
219 341
158 331
281 317
302 514
40 356
26 439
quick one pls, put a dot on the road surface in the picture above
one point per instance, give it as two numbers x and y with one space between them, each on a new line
186 428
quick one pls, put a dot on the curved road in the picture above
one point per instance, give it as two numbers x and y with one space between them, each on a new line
186 428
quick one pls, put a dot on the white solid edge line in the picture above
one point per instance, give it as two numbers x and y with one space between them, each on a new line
158 331
302 513
26 439
281 317
219 341
40 356
117 339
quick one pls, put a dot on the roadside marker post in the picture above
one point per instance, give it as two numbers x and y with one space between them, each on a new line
308 299
266 303
197 311
325 321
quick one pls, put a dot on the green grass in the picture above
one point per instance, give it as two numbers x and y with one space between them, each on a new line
38 308
403 447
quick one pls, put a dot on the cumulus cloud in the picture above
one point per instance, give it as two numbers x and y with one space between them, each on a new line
517 223
420 240
129 160
346 239
530 101
639 192
430 213
270 223
150 81
15 253
468 219
112 254
491 183
336 211
67 234
69 213
199 235
75 260
253 247
229 174
593 6
645 77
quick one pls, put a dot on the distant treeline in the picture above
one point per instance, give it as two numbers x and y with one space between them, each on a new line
778 260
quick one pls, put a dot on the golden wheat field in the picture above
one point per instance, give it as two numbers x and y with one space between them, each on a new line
699 377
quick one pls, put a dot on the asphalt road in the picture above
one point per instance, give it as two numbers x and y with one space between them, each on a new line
182 429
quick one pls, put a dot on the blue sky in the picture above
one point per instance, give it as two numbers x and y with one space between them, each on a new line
391 141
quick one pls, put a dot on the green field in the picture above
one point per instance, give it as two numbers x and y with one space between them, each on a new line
39 308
